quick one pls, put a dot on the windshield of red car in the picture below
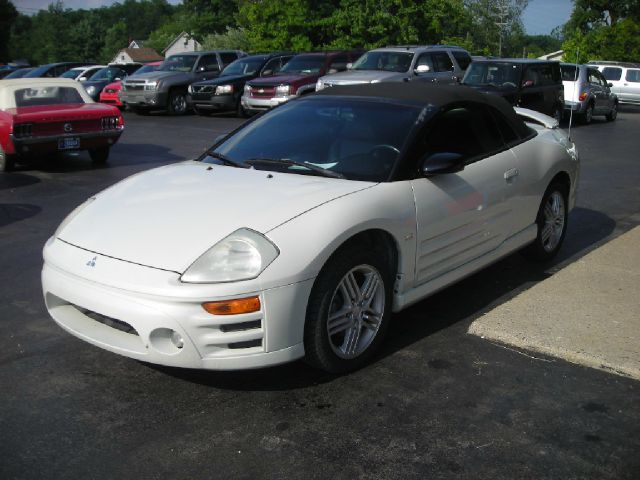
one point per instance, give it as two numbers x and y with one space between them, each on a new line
355 138
304 64
46 95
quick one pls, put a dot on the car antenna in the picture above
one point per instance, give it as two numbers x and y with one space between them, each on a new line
575 85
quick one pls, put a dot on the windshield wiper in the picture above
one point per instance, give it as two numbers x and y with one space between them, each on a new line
226 160
285 161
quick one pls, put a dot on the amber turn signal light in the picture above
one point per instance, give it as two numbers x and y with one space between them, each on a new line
233 307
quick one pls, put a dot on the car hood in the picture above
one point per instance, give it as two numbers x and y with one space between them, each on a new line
222 80
162 75
167 217
361 76
114 85
285 80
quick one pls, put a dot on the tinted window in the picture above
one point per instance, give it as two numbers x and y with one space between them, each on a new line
73 73
208 63
632 76
109 74
509 135
539 75
228 57
243 67
180 63
145 69
469 131
569 73
425 59
338 63
593 76
494 74
272 66
442 62
612 73
31 97
385 61
462 58
357 138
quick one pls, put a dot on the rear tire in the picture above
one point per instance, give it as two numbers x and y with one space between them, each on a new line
552 220
99 156
587 116
348 310
613 114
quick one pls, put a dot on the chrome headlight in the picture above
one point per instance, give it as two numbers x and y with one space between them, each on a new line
151 85
283 90
243 255
224 89
319 85
91 90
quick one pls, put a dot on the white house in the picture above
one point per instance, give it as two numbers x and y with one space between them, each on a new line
137 55
182 43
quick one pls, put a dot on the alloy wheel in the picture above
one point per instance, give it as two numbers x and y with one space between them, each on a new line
554 220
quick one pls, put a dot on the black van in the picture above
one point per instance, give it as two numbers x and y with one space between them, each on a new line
527 83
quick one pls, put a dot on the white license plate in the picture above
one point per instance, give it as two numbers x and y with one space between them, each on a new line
68 143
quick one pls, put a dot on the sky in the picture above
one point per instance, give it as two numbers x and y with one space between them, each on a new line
540 17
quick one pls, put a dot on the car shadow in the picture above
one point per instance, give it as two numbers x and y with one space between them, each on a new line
15 212
121 155
480 292
17 180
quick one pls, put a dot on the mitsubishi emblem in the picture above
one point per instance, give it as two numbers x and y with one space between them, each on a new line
92 262
68 127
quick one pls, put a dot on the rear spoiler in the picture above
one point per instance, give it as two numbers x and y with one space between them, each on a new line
531 116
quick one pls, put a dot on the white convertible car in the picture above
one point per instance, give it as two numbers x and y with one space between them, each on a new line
300 233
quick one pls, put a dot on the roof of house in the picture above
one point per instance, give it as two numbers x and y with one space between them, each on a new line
178 37
143 55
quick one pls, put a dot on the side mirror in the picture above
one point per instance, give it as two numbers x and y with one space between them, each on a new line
117 79
332 70
440 163
421 69
609 84
266 73
349 66
527 84
82 79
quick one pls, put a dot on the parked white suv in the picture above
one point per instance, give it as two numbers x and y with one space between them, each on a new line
624 78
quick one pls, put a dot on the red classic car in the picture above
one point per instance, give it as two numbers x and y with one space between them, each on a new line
111 93
40 116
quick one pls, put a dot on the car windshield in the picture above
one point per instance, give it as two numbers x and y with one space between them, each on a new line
46 95
243 67
304 65
73 73
178 63
108 73
385 61
494 74
19 73
146 69
358 139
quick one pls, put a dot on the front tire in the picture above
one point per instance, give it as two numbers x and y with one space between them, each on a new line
177 102
99 156
348 310
552 221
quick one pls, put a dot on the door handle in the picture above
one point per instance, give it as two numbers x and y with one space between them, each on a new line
510 174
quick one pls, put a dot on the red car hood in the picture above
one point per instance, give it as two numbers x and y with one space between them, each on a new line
114 85
294 80
53 113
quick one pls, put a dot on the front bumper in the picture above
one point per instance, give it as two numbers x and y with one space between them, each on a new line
253 104
135 323
141 98
220 103
111 99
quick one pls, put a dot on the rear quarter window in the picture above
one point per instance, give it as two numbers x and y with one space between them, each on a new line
633 76
463 59
612 73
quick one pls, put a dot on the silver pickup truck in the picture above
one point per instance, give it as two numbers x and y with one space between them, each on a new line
166 87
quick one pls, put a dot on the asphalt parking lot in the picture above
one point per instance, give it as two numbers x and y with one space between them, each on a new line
437 403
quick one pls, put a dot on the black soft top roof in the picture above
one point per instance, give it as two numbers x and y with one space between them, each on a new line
438 96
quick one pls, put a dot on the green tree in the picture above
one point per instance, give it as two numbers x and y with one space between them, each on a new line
211 16
8 15
497 25
116 38
234 39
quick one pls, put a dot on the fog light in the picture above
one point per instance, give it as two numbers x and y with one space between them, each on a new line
177 340
233 307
